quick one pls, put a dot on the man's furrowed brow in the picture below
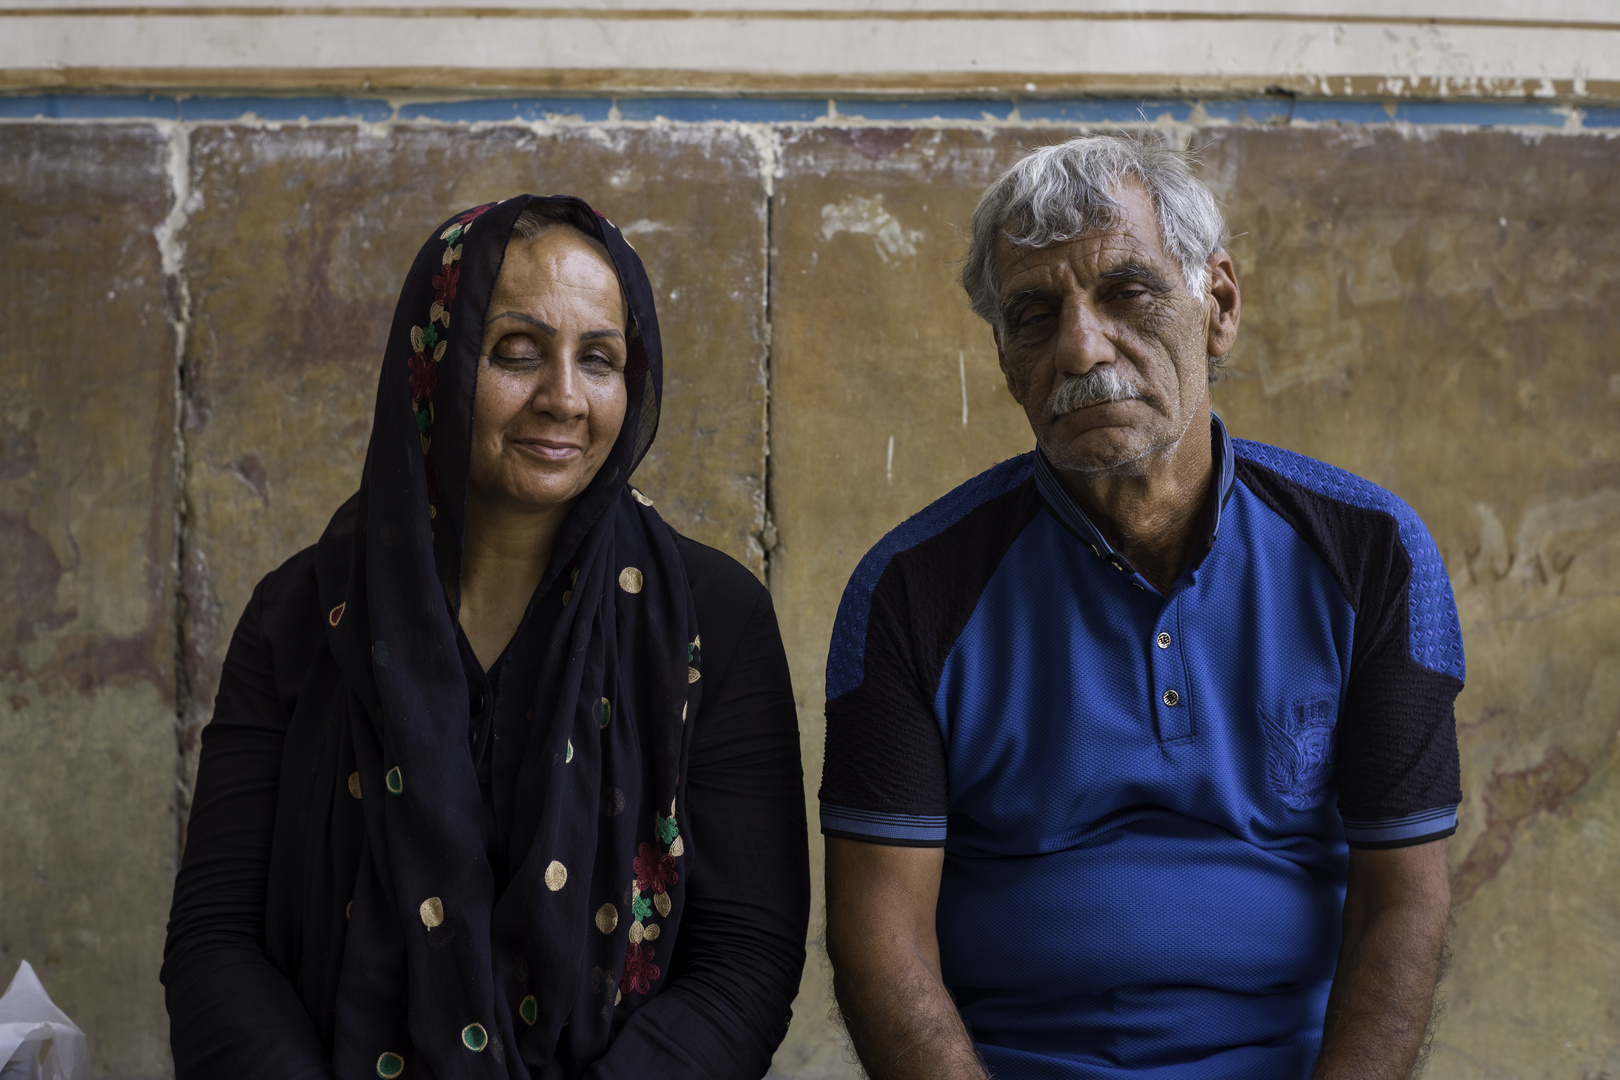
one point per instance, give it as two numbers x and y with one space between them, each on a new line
1014 301
1134 271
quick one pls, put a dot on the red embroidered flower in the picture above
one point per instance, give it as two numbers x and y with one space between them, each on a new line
472 215
654 872
424 376
639 970
444 284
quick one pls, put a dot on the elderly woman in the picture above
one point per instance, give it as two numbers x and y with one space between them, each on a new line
503 778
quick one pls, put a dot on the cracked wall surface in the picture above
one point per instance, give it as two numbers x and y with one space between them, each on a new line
199 310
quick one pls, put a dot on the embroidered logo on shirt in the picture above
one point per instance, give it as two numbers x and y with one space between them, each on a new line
1299 753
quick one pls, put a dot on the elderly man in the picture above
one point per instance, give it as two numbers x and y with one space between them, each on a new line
1140 747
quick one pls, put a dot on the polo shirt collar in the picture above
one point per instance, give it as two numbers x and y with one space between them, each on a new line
1066 510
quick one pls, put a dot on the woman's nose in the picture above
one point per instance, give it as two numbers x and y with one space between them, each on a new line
561 391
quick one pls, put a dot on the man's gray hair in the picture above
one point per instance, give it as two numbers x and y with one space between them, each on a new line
1058 192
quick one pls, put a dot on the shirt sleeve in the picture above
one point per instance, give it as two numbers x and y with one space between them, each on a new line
232 1012
884 777
1398 770
737 962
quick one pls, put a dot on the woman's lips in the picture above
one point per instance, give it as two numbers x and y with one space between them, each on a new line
549 449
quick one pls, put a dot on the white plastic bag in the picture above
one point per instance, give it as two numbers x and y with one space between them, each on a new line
37 1040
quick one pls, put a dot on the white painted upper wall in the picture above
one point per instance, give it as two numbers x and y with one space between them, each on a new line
1566 49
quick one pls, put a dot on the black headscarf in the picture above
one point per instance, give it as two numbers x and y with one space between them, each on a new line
407 958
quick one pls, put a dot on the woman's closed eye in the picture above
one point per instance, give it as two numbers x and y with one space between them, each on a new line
516 351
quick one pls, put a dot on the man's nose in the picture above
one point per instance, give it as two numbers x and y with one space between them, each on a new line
1082 344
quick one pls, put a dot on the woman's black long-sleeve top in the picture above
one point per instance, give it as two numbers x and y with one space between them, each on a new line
740 951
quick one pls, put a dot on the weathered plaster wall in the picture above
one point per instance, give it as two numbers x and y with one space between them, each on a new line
1428 307
87 580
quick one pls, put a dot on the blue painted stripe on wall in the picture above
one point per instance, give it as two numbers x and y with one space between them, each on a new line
89 107
789 110
1341 112
1103 110
1252 110
290 109
740 110
948 109
495 110
1478 114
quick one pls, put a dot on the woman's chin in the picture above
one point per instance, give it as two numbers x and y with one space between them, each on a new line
547 488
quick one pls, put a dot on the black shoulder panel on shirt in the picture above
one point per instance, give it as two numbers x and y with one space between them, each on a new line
1397 749
885 753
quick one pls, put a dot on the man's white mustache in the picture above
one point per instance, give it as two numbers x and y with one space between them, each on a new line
1095 387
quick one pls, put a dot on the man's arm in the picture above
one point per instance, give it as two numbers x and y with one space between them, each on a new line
1395 911
885 957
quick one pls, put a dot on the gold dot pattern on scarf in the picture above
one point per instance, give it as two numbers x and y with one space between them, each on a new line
618 996
640 498
395 781
607 918
432 912
390 1065
692 675
630 579
568 755
556 875
567 596
652 932
474 1037
661 902
684 706
529 1010
336 614
678 848
354 784
604 712
637 932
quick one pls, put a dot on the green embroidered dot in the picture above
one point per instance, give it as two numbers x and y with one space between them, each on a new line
604 712
395 782
390 1065
569 756
529 1009
474 1037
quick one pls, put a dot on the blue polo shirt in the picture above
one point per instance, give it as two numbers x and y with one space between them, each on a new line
1146 800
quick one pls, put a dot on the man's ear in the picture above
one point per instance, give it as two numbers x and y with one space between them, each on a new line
1223 305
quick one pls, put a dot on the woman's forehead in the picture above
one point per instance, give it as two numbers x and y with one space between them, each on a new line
560 265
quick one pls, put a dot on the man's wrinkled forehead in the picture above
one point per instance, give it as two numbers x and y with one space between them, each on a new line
1131 239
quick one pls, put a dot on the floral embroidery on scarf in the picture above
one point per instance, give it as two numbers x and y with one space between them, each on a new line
654 873
426 342
639 970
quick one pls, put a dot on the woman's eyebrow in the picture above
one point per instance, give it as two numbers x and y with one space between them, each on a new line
551 331
609 332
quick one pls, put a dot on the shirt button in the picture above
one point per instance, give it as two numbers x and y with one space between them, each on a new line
477 703
1164 640
1171 698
